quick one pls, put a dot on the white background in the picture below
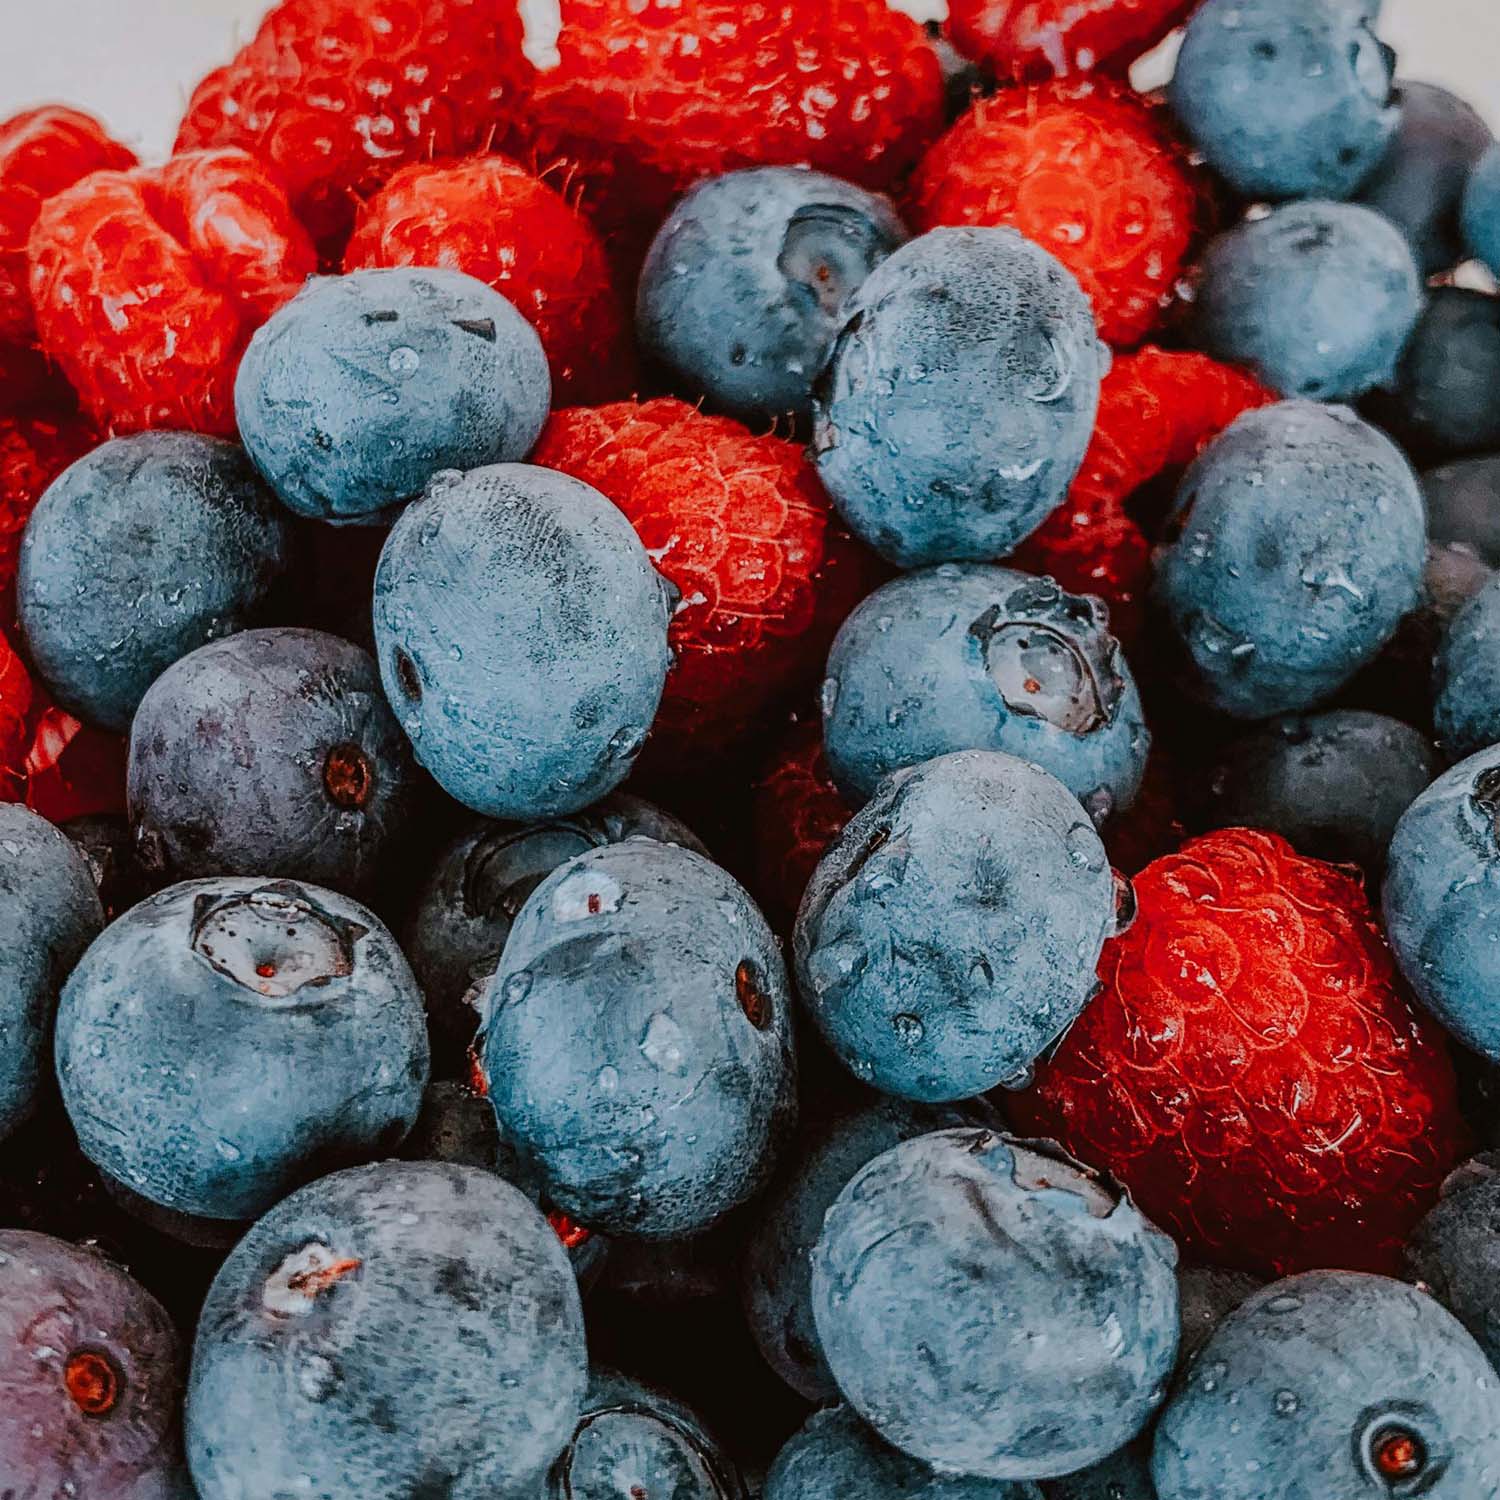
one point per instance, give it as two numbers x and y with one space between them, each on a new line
134 62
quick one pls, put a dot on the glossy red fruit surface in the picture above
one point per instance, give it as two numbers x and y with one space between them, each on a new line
491 218
15 716
1043 38
147 285
34 450
1252 1070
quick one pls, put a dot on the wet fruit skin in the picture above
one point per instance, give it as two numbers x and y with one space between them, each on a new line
1252 1070
92 1372
1039 38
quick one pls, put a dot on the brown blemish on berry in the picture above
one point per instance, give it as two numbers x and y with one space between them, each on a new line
568 1230
348 776
754 1001
93 1383
320 1278
477 1079
595 903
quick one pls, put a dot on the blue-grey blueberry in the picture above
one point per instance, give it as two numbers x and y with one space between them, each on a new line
362 387
1299 541
272 752
1455 1250
638 1040
1338 1385
992 1307
741 293
951 933
978 657
1480 212
145 548
959 397
227 1040
402 1330
522 637
1466 676
1463 504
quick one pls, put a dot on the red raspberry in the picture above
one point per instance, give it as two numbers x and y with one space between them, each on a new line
1251 1070
1158 409
738 523
651 95
29 383
335 96
42 152
1041 38
148 284
73 769
798 813
15 718
34 450
1091 171
491 218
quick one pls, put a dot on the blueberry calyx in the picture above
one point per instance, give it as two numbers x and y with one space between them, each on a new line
293 1288
274 941
93 1382
348 776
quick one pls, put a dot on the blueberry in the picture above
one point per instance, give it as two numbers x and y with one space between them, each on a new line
1299 545
1466 676
776 1276
950 934
1332 784
226 1040
402 1330
638 1040
92 1377
1455 1251
836 1456
973 656
1318 298
522 639
632 1441
1419 184
959 397
1463 505
992 1307
145 548
1480 212
741 293
1286 98
464 907
49 913
1446 398
1206 1295
107 843
272 752
1334 1384
364 386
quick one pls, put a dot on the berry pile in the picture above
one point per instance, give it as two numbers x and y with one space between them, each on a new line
761 765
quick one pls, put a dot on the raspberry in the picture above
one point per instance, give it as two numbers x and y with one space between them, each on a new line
34 450
1158 410
15 717
73 769
1091 171
1251 1070
335 96
492 219
1041 38
148 284
29 383
798 813
651 95
738 523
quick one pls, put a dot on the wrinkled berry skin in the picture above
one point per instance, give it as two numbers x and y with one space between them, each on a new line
463 911
951 1274
1333 785
742 291
638 1040
1480 211
1466 676
364 386
931 966
1286 98
835 1456
1442 899
49 912
142 550
1318 299
228 1039
1026 669
92 1375
1455 1251
522 639
1301 540
1419 184
436 1348
1463 505
632 1441
1334 1384
271 752
959 397
776 1274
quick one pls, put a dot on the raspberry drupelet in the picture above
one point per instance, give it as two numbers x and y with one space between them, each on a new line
1252 1070
1040 38
16 696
